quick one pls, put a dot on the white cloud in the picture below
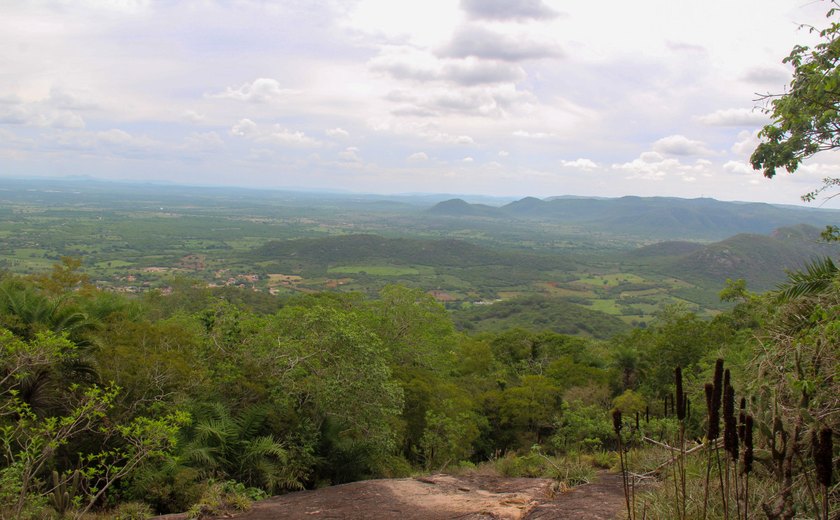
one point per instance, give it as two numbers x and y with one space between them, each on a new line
581 164
274 134
350 154
337 132
503 153
735 117
418 157
739 168
467 160
288 137
193 117
39 115
653 166
534 135
261 90
244 128
680 145
745 143
115 136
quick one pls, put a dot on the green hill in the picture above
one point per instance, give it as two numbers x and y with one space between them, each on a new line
762 260
460 208
537 313
651 217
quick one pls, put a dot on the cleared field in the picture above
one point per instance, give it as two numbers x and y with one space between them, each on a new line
611 279
607 306
374 270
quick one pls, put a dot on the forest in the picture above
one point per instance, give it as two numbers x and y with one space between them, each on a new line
204 399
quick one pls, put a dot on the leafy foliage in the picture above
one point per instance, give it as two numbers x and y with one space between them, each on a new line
805 119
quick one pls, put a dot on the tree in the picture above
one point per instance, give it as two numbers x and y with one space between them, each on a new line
806 119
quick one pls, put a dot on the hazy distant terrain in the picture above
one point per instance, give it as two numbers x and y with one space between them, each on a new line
493 262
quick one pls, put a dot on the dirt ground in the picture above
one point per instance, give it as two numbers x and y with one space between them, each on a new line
439 497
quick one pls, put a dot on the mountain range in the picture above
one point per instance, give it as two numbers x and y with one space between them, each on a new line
659 218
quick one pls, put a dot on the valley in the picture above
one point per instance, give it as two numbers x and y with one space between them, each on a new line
559 263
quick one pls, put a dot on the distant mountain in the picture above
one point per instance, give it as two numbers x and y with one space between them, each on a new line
762 260
651 217
460 208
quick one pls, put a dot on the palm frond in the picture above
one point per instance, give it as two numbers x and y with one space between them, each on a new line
816 278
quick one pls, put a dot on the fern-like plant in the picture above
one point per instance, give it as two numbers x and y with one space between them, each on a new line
815 279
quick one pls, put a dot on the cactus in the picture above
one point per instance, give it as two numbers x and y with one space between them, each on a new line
64 491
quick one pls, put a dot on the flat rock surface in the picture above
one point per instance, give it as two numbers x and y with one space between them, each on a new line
447 497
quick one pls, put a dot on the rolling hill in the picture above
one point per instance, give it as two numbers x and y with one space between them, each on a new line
537 313
659 218
762 260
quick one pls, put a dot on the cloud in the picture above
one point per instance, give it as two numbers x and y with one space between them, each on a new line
418 157
483 43
203 141
287 137
467 160
653 166
503 153
534 135
404 62
114 141
261 90
67 100
508 9
486 101
114 136
409 63
746 142
275 134
680 145
244 128
193 117
472 71
767 76
350 154
337 132
581 164
739 167
37 114
735 117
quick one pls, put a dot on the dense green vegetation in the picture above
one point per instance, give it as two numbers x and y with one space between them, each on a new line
159 399
201 350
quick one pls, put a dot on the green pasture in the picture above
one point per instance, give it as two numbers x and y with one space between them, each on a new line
375 270
611 280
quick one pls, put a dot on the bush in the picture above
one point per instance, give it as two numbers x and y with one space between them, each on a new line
133 511
604 459
224 498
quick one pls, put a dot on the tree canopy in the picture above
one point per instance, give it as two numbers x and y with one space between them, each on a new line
806 119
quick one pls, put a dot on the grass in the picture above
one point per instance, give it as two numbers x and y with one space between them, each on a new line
374 270
607 306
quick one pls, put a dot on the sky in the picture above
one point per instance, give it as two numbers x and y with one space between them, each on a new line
494 97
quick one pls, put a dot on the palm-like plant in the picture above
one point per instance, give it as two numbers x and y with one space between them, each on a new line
27 313
816 278
222 445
